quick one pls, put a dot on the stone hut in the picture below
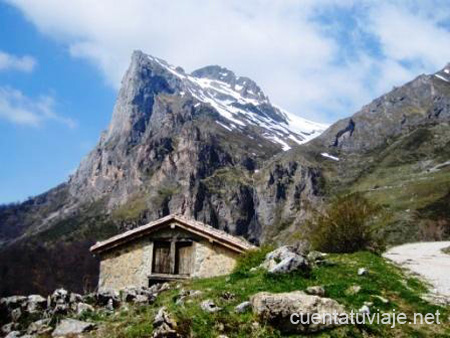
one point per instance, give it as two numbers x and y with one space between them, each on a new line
167 249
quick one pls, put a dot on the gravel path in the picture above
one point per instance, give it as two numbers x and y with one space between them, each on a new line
427 260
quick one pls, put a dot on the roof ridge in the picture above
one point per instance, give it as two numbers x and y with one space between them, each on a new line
238 242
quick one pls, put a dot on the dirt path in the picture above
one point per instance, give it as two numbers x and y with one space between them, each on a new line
427 260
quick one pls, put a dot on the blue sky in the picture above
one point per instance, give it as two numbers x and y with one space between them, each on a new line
35 158
61 63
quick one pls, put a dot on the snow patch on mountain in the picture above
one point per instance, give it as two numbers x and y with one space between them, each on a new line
331 157
240 101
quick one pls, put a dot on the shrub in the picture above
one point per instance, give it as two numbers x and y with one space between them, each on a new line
350 223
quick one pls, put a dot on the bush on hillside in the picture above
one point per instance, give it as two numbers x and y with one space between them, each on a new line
350 223
251 259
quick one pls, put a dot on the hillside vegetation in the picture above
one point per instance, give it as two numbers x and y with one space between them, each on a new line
339 278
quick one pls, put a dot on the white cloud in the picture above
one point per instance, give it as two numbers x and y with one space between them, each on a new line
21 63
280 44
412 37
20 109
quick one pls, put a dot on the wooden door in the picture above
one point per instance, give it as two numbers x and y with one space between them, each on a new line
161 257
183 258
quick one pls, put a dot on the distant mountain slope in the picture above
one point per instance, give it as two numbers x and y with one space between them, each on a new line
396 150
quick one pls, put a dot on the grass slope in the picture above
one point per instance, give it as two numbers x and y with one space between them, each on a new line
383 280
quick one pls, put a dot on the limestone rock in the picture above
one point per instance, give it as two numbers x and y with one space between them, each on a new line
108 298
84 307
36 303
277 309
364 309
316 290
353 290
7 328
381 299
241 308
72 327
187 294
164 326
16 314
285 259
209 306
362 272
39 327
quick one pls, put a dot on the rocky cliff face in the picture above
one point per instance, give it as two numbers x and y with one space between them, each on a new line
175 137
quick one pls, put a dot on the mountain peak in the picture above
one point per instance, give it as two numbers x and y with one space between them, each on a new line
239 101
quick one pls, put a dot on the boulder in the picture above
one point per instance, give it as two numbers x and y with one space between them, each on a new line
276 309
362 272
84 307
108 298
59 302
71 327
142 299
244 306
7 328
284 259
316 257
290 264
75 298
13 334
187 294
163 325
14 301
16 314
36 303
316 291
209 306
365 310
128 294
353 290
60 295
40 327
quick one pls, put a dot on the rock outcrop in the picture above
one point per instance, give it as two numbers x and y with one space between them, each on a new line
277 309
72 327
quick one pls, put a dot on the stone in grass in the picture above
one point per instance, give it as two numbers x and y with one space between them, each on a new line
164 326
241 308
277 309
381 299
365 310
71 326
353 290
362 272
315 290
209 306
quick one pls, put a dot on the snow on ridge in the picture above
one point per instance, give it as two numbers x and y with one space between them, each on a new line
229 102
441 77
334 158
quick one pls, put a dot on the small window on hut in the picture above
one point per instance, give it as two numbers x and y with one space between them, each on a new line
161 257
